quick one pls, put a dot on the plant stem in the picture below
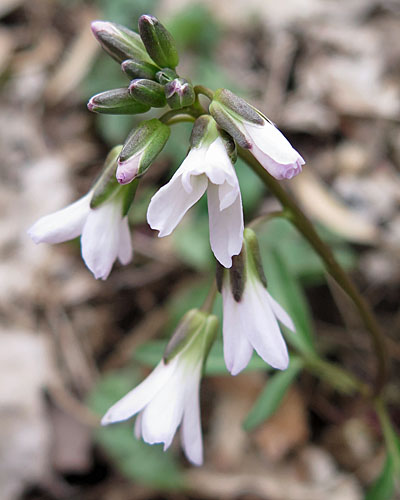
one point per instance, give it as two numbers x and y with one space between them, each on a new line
305 227
200 89
208 303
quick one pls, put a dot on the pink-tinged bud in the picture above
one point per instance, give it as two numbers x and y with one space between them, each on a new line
179 93
119 42
116 102
142 146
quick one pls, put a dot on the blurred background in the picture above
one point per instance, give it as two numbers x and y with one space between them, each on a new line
327 72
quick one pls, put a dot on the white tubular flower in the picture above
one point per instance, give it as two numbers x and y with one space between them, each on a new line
100 218
250 314
169 396
253 131
208 166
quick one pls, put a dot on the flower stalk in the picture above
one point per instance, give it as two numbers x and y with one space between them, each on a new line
305 227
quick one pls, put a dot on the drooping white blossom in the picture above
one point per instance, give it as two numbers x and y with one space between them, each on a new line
252 323
251 314
104 232
207 167
253 131
169 396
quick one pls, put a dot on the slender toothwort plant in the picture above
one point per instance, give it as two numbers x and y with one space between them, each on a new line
226 127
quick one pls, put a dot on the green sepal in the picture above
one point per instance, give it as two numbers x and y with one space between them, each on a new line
166 75
195 334
237 275
106 185
179 93
149 138
139 69
127 192
237 106
116 102
220 272
158 42
191 323
227 123
253 255
119 42
230 145
148 92
204 131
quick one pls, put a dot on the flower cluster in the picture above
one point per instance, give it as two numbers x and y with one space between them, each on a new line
250 314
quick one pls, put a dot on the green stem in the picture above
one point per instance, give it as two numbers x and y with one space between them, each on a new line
200 89
266 217
210 299
303 224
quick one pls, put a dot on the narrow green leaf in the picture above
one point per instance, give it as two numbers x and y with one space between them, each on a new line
383 486
284 287
272 394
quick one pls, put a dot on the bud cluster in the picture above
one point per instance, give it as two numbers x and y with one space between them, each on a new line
149 59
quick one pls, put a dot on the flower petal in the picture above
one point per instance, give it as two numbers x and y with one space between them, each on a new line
263 330
163 413
226 226
217 164
280 313
273 150
171 202
192 441
140 396
63 225
125 243
128 170
237 348
137 430
100 239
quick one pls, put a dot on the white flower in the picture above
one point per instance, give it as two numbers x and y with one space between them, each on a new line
167 397
253 131
250 314
273 150
206 167
252 323
105 232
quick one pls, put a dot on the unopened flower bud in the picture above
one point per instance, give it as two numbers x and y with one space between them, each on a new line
148 92
139 69
141 148
119 42
116 102
166 75
179 93
253 131
158 42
